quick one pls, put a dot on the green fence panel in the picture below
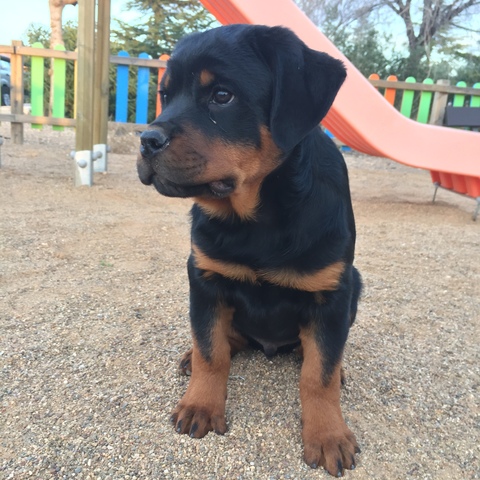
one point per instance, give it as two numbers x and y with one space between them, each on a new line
475 99
37 86
425 103
458 98
407 99
59 76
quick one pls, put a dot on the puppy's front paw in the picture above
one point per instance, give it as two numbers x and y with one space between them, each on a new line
197 421
334 450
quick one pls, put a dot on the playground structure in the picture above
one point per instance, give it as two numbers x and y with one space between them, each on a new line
360 117
93 46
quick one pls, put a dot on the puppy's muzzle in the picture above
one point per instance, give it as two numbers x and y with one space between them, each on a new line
153 142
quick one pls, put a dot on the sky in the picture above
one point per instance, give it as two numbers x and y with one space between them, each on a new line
16 18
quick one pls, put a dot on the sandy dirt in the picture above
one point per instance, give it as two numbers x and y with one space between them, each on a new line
94 319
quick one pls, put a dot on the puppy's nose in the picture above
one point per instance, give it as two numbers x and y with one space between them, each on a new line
153 141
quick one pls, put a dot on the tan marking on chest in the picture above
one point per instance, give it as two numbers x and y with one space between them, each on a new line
325 279
230 270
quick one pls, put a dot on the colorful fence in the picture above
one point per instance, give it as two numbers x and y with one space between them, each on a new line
143 90
425 102
135 87
52 99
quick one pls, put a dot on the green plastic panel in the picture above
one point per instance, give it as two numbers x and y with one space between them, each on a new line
459 99
407 99
37 86
59 77
475 99
425 103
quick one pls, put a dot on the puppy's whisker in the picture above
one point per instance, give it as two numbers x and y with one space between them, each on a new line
215 122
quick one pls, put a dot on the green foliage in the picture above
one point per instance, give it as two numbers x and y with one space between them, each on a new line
161 25
367 47
366 53
469 70
38 33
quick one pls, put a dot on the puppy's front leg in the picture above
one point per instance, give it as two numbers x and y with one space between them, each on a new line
327 440
202 408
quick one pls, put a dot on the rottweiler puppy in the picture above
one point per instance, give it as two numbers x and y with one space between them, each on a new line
273 231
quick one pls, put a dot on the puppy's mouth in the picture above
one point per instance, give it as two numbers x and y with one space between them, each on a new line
222 188
174 184
217 188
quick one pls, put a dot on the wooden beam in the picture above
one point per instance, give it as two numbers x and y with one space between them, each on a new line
21 118
424 87
7 49
67 122
139 62
47 53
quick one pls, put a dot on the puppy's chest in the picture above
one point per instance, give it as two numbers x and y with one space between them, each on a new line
326 278
268 315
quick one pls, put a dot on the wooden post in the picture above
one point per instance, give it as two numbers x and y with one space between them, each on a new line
102 62
439 104
16 89
100 94
85 85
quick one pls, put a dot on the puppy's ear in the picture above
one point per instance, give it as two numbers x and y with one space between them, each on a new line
305 83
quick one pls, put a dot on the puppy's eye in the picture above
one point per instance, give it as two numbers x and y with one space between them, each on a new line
163 96
222 96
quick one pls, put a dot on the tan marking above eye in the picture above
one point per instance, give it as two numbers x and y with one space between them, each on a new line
325 279
206 78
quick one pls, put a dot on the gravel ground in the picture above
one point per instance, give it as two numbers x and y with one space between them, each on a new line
94 319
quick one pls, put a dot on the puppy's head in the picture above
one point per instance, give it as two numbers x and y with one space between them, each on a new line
236 100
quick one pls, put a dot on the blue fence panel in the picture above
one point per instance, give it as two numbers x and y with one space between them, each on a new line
143 79
121 101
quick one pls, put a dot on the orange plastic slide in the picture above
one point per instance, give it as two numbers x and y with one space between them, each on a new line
360 116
